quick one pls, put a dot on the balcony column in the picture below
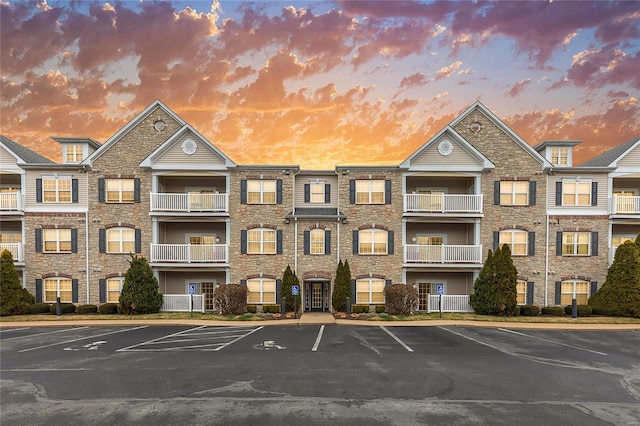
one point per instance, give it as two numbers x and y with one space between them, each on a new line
476 233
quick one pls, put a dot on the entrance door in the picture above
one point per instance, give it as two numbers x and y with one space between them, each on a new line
316 296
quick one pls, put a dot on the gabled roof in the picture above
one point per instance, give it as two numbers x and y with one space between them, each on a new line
129 126
500 124
545 144
93 143
157 153
23 155
484 161
612 156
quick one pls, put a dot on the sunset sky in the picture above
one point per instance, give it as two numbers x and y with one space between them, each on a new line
321 83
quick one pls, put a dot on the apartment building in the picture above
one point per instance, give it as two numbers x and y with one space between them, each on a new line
160 189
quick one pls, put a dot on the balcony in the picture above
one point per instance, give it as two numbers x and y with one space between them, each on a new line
451 204
190 253
16 249
11 202
189 203
442 254
624 205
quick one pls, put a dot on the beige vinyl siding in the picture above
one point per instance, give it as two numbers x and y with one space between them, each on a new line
456 234
603 192
451 185
30 191
176 282
301 180
7 159
455 283
632 159
459 157
204 154
180 184
176 233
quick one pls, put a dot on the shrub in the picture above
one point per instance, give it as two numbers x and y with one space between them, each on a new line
272 309
14 300
552 310
289 279
231 299
603 311
530 310
140 294
39 308
380 309
495 289
87 309
359 309
583 310
108 308
342 288
252 309
400 299
66 308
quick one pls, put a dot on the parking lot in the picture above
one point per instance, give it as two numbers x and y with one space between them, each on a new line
318 375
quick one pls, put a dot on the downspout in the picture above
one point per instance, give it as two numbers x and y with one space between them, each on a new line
546 245
86 237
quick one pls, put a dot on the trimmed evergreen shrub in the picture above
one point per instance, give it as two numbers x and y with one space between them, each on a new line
360 309
87 309
272 309
342 288
289 279
620 293
552 310
400 299
582 310
231 299
380 309
66 308
529 310
140 293
495 291
108 308
14 300
252 309
39 308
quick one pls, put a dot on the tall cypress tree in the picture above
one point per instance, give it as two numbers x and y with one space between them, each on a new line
14 300
289 279
140 293
481 297
506 292
341 287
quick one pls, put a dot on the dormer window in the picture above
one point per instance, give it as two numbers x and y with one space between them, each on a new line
74 153
560 156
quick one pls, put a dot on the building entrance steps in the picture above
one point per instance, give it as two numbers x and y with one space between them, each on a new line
316 318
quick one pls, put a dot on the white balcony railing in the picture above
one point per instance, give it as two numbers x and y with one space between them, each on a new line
443 203
186 203
450 303
624 205
12 201
182 303
419 253
16 249
190 253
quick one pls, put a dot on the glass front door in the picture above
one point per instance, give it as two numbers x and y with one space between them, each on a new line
316 296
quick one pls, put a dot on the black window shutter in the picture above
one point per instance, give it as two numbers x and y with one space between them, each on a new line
558 292
243 191
594 288
74 190
532 244
559 243
138 242
387 283
279 241
38 240
352 191
387 191
532 193
594 244
103 290
243 283
278 191
327 241
278 290
355 242
38 290
102 240
353 292
390 248
594 193
327 193
74 291
74 240
529 299
496 192
38 190
558 193
307 193
101 196
307 242
496 240
243 241
136 190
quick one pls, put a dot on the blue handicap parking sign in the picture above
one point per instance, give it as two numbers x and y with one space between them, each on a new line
192 289
440 289
295 290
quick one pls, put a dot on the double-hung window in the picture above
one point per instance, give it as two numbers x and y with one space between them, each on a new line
370 290
370 191
576 193
521 292
74 153
514 193
261 241
261 191
317 245
576 243
121 240
517 241
317 192
56 240
372 241
577 289
114 287
560 156
261 290
56 190
119 190
55 287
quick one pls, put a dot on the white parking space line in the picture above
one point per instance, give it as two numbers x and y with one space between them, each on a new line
396 339
83 338
42 334
551 341
315 345
160 338
471 338
241 337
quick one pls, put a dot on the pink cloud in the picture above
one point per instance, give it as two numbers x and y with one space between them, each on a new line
414 80
518 88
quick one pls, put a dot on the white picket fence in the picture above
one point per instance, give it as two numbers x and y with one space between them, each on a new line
182 303
450 303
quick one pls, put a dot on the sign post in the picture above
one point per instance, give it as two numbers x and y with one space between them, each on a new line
295 290
192 290
440 289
